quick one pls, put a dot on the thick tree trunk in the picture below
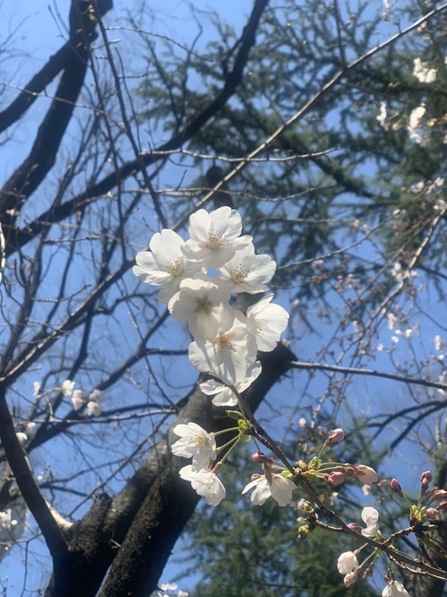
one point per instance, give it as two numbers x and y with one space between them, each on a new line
134 532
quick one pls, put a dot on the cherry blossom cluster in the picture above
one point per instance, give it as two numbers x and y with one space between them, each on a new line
92 402
198 278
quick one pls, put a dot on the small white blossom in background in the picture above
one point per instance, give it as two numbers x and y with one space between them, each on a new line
395 589
423 72
77 400
12 525
206 483
370 517
6 520
67 388
22 437
414 124
94 403
194 443
170 590
37 386
392 321
439 344
397 273
382 115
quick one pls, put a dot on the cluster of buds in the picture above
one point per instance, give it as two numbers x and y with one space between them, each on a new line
336 473
429 504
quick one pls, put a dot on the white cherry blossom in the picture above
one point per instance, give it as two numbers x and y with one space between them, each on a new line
248 272
423 72
94 403
205 483
228 355
215 236
67 388
223 395
165 264
347 562
267 321
395 589
271 485
194 443
200 302
370 517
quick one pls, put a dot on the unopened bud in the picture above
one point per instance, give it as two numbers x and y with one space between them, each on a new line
425 483
303 532
427 475
395 486
334 437
350 579
260 458
432 512
336 478
438 494
354 527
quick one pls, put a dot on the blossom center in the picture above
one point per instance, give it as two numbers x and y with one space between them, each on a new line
223 342
239 274
214 240
176 267
203 305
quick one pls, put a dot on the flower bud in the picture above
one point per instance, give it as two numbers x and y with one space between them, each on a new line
350 579
303 532
427 475
432 512
354 527
366 474
335 437
424 486
438 494
336 478
395 486
260 458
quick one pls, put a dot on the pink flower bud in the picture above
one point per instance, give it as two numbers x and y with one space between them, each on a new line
354 527
368 572
334 437
336 478
424 486
366 474
438 494
260 458
350 579
427 475
442 505
395 486
432 512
